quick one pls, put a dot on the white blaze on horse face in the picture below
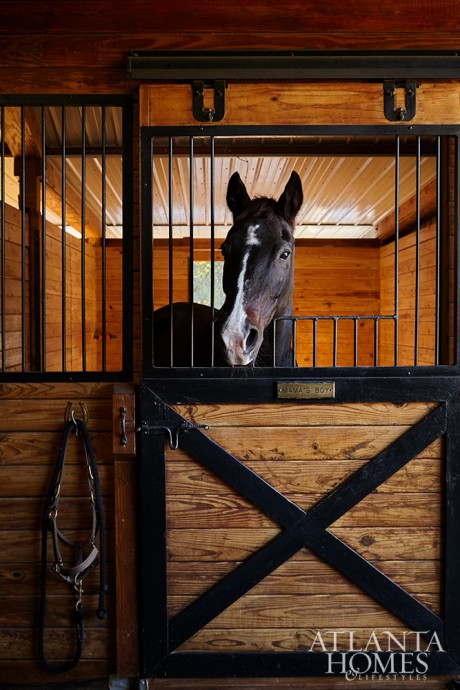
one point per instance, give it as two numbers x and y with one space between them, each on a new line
233 330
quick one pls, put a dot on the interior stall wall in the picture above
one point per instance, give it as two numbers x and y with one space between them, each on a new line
410 313
75 336
114 316
17 286
336 278
19 296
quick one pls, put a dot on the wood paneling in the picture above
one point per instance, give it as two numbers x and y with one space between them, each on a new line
336 279
414 316
113 17
31 423
331 103
17 287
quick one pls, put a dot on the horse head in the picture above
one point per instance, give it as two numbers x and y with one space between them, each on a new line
258 268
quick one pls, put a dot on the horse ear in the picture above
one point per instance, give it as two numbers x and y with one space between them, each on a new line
291 199
237 196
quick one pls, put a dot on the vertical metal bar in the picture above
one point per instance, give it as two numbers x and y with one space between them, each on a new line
43 244
23 241
3 242
376 342
63 255
417 256
127 257
104 231
314 341
396 262
355 342
83 237
456 253
294 341
171 249
438 253
192 221
335 336
147 249
212 219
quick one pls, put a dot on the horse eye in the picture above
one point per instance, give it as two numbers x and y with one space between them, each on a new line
285 255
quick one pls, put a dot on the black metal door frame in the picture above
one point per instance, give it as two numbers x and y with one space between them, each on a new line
159 423
161 637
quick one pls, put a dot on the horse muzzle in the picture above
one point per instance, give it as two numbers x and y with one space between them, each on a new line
241 344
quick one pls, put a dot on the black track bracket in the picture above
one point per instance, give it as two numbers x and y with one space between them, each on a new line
207 114
396 113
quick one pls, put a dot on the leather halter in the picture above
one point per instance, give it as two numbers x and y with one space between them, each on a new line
87 554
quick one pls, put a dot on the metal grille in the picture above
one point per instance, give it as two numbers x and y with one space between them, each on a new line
66 188
392 189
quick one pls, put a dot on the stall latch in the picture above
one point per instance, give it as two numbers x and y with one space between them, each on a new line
172 432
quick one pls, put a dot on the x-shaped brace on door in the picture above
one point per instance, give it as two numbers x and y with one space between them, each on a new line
308 529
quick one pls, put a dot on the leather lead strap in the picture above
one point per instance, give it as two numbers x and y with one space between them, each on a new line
73 575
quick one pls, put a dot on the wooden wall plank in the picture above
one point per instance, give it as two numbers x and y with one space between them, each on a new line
106 17
332 103
256 611
288 414
404 510
312 577
376 543
315 443
190 478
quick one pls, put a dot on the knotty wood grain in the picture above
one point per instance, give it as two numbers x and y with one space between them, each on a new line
331 103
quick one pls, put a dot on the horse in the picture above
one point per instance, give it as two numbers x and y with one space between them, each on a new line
258 281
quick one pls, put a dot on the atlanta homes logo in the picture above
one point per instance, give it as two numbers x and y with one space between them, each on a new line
405 654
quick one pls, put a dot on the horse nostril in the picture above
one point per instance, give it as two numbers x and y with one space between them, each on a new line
251 338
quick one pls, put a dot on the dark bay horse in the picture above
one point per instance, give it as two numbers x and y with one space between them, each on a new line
258 283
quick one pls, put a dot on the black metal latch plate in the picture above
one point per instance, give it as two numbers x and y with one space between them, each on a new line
202 114
400 114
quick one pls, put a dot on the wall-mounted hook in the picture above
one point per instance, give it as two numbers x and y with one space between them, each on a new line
69 414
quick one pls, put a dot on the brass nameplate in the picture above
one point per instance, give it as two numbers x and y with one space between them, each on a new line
306 390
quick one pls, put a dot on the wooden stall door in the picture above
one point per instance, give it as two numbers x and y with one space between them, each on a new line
285 538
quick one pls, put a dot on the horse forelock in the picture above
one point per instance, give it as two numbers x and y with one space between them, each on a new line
258 211
261 207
